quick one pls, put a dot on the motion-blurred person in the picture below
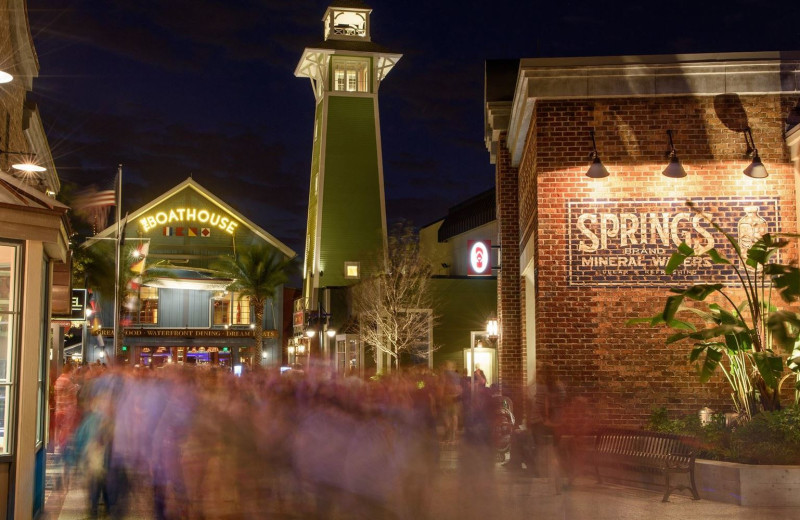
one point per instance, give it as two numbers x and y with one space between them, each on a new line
66 416
451 401
476 457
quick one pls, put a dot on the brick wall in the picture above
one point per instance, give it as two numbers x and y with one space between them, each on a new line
510 349
12 96
624 372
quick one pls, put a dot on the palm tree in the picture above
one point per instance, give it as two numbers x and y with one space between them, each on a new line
94 267
257 271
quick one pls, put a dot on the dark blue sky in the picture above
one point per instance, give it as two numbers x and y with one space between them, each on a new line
206 87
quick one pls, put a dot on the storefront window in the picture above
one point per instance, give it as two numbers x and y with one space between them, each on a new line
221 312
45 355
9 325
240 310
148 305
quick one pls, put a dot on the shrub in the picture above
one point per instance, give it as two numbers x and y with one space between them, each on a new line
769 438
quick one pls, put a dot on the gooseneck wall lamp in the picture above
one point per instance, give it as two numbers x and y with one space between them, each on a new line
5 77
755 169
674 169
596 169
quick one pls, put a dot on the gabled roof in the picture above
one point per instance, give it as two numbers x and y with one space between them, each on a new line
192 184
15 193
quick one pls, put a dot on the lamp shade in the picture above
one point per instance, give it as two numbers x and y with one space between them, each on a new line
29 167
756 169
597 170
674 169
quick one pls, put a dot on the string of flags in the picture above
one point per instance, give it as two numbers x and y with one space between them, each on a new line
170 231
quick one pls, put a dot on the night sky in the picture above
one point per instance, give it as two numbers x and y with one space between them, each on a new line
206 87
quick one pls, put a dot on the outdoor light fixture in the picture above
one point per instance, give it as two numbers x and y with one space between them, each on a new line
756 169
5 77
674 170
491 328
331 333
310 333
596 170
28 166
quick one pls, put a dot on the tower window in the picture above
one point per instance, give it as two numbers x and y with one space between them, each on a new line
351 75
352 270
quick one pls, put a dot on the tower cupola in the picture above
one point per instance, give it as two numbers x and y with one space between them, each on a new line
347 20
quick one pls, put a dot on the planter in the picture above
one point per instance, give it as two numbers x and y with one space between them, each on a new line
729 482
748 484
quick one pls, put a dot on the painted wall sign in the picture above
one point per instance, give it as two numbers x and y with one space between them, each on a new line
189 214
480 258
628 243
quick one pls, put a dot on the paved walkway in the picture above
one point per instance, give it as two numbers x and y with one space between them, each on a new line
499 494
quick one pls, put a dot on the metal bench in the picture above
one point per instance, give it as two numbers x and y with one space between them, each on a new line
645 451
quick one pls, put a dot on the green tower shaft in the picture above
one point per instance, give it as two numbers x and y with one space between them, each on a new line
346 228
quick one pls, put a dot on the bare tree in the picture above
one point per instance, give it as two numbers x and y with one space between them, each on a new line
394 302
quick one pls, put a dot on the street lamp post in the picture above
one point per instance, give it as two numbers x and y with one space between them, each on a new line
320 323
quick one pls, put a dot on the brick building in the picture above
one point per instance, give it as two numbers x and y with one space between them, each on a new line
580 256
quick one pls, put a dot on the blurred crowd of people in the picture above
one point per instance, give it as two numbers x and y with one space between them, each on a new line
203 443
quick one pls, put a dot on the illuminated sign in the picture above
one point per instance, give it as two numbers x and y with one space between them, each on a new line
77 304
203 216
188 333
480 258
628 243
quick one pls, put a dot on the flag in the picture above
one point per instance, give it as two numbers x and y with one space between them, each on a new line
168 231
205 232
140 253
192 232
93 203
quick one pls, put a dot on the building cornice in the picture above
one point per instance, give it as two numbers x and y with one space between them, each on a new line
26 62
637 76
